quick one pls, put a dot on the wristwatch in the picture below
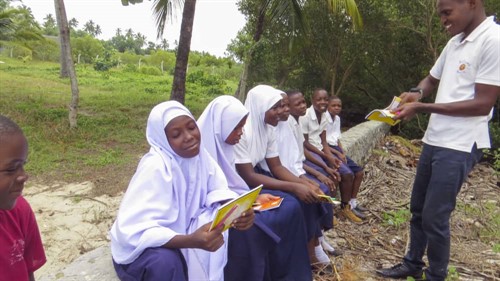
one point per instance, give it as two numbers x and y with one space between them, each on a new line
418 90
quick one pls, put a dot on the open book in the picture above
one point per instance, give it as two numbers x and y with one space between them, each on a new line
234 208
328 199
385 115
269 205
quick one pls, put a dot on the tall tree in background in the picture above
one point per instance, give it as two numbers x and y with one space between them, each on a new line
67 60
271 10
163 10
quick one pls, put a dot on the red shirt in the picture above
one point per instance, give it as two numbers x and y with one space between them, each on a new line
21 249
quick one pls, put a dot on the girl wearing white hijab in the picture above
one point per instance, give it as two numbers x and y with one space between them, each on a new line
271 249
161 231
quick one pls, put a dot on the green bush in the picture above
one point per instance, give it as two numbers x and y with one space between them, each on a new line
150 70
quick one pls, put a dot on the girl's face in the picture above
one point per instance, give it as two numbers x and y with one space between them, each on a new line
272 116
183 136
235 135
335 107
13 155
285 113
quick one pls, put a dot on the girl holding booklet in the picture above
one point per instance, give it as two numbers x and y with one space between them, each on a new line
162 228
274 248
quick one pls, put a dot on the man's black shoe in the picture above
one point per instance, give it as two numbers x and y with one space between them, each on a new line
400 271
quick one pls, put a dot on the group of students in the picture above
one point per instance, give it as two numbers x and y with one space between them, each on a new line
193 166
162 230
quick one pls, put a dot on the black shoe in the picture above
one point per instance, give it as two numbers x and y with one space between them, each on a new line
358 213
400 271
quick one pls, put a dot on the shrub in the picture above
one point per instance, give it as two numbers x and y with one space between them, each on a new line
150 70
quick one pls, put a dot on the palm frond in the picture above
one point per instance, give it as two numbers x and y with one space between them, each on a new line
349 8
163 10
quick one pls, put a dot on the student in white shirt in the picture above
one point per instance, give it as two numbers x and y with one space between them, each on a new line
350 172
467 75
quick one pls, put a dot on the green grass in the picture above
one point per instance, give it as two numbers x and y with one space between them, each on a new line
112 114
396 218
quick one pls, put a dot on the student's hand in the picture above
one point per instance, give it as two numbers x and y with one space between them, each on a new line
406 111
407 97
332 173
308 181
208 240
245 221
343 157
304 193
266 197
327 181
333 162
315 188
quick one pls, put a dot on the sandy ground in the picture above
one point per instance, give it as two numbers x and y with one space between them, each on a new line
71 222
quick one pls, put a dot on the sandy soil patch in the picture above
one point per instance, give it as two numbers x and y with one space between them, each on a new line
70 221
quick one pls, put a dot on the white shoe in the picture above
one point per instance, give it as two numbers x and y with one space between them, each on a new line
327 247
321 255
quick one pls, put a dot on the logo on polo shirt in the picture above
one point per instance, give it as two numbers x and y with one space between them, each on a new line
463 66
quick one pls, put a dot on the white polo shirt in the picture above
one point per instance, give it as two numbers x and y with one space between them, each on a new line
459 67
333 130
242 153
312 127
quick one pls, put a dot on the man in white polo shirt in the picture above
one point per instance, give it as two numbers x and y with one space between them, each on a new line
467 75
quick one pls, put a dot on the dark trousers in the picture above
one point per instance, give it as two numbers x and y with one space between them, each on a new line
154 264
440 174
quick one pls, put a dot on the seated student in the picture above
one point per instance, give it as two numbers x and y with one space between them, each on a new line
258 143
292 157
162 228
314 125
350 172
269 249
22 250
297 108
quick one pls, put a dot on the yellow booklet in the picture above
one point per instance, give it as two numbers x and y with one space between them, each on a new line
328 199
234 208
385 115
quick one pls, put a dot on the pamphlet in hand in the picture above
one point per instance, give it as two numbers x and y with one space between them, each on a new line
328 199
234 208
385 115
269 205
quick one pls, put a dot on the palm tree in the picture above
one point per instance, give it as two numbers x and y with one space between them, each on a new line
271 10
162 11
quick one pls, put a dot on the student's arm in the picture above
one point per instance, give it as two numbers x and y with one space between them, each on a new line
340 154
320 163
310 147
201 238
484 98
322 178
332 161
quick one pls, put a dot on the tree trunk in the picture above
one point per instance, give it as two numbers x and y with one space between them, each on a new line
181 61
66 53
242 86
63 29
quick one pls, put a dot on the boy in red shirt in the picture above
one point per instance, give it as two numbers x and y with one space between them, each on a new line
20 243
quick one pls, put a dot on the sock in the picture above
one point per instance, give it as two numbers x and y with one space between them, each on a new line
354 203
321 255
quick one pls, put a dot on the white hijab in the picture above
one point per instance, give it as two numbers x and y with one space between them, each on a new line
259 100
216 123
168 196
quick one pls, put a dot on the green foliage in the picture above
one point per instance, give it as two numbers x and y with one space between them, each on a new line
87 47
396 218
496 248
453 274
150 70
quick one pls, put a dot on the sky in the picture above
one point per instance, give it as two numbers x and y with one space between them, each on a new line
216 22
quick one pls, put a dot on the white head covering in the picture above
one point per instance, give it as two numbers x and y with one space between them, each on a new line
216 123
168 196
259 100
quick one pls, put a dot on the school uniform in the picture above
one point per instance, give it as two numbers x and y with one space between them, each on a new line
448 141
333 135
168 196
257 143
